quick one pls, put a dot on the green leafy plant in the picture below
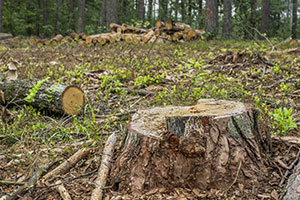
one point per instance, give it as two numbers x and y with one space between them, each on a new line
32 92
282 120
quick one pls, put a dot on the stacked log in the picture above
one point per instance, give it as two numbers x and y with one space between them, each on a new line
162 32
178 31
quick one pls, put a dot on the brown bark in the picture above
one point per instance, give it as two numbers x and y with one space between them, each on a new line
211 16
57 98
196 147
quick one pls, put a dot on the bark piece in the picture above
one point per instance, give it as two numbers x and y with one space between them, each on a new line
104 167
58 98
197 147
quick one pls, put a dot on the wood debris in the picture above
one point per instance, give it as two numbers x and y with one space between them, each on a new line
163 32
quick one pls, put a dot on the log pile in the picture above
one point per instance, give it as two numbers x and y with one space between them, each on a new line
161 33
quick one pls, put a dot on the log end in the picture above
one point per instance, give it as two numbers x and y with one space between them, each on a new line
72 100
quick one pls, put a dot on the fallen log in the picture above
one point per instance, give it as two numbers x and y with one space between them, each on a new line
75 36
57 98
207 146
58 38
67 39
104 167
68 164
159 24
116 27
4 36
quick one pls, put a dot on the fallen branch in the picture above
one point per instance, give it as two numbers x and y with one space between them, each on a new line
68 164
104 167
64 194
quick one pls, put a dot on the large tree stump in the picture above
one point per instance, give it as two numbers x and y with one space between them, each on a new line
207 146
55 97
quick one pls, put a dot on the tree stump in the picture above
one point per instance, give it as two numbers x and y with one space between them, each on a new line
55 97
207 146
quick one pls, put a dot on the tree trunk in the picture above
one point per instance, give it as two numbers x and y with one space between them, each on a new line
37 21
111 12
163 9
81 7
212 17
71 15
200 18
253 16
294 23
265 17
1 13
58 17
227 25
45 15
141 9
190 6
182 11
150 8
56 98
103 14
292 186
197 147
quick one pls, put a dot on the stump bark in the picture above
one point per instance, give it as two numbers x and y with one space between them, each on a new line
58 98
207 146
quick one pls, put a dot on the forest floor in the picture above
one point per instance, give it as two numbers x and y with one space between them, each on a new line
118 79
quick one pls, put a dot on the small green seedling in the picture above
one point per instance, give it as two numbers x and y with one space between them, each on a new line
282 120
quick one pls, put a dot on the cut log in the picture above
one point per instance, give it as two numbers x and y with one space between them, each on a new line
148 36
4 36
92 39
57 98
67 39
75 36
116 27
41 42
58 38
159 24
83 36
206 146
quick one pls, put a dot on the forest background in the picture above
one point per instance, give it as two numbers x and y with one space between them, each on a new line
238 19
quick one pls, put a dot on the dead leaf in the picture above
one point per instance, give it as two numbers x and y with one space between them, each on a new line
241 187
274 194
12 73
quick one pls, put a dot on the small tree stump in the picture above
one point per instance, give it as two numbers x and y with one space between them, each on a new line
209 145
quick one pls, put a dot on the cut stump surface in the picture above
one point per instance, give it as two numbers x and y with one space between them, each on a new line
206 146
